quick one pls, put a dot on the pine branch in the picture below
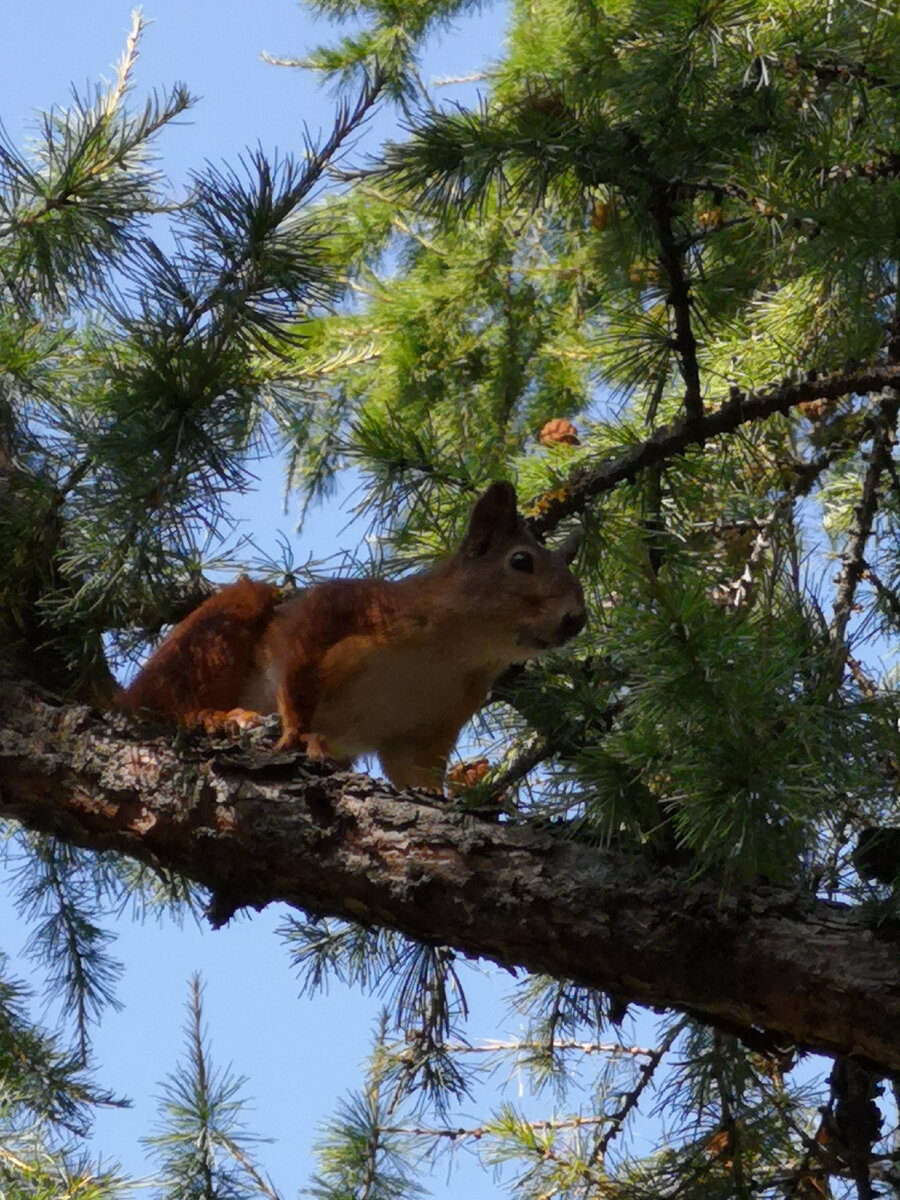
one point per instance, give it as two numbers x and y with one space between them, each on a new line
362 1155
607 1049
864 518
662 209
259 827
68 213
201 1116
477 1132
672 440
740 592
152 613
252 271
880 460
249 262
536 751
813 1168
888 596
67 938
632 1098
429 999
843 70
42 1082
886 166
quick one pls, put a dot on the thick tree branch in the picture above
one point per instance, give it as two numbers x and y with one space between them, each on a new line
674 439
258 826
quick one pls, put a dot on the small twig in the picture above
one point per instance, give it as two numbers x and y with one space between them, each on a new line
888 595
741 591
864 519
864 682
654 523
475 1133
536 750
451 80
265 1186
8 1156
814 1148
275 60
808 474
612 1049
880 459
125 65
729 1124
631 1099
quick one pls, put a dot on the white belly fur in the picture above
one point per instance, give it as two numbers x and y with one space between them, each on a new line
399 695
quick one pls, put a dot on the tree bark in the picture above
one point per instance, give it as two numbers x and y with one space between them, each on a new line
258 826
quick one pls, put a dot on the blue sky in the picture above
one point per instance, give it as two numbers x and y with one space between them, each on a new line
299 1055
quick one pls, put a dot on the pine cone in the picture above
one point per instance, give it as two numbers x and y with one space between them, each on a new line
559 431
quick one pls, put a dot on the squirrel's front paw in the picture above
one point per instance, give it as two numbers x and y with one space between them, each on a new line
230 722
313 745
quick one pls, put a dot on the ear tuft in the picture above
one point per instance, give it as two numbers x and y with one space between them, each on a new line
495 515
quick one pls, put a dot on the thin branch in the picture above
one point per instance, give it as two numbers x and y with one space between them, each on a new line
125 65
477 1132
452 80
808 474
538 747
740 592
318 162
536 750
662 208
611 1049
729 1125
265 1186
883 166
880 460
888 595
845 71
672 440
276 61
812 1166
631 1099
854 556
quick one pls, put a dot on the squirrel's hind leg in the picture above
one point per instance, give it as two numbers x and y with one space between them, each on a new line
419 764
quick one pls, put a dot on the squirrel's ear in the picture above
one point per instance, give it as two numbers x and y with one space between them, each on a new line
495 515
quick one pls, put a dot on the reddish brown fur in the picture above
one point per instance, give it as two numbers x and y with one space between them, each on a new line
205 660
361 665
317 620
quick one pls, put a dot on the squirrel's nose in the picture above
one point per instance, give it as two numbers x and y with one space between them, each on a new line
572 623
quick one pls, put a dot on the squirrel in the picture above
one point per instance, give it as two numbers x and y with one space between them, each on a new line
360 665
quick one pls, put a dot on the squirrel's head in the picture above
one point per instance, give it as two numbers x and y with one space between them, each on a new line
526 595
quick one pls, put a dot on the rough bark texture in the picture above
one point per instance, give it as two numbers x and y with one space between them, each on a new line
257 826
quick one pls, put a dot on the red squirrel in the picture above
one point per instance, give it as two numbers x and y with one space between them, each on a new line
360 665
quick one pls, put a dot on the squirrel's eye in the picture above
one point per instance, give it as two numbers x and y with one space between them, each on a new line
521 560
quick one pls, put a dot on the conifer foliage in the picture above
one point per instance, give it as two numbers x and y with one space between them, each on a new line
653 277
